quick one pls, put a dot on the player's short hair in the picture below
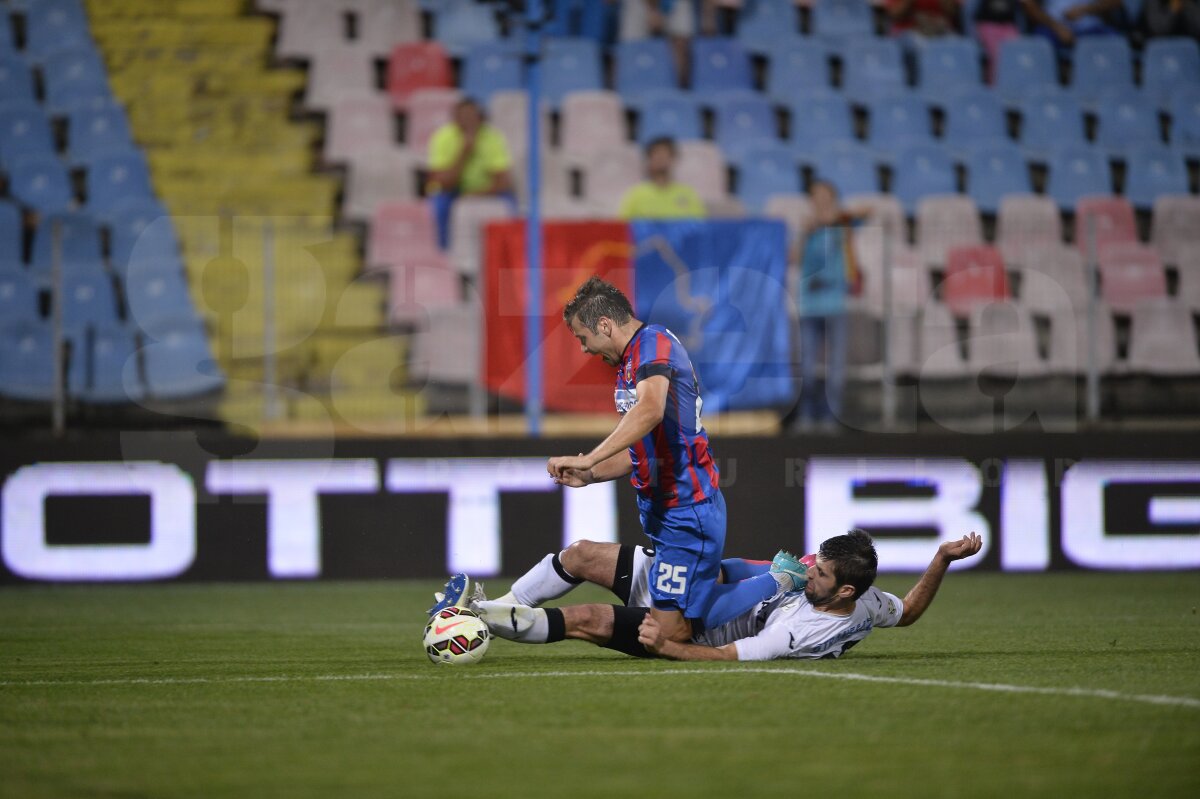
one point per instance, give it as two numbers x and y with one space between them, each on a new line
595 299
854 560
661 141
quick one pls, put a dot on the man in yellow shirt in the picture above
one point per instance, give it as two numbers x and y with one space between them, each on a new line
467 156
659 196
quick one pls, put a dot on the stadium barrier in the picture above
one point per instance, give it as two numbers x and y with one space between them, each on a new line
141 506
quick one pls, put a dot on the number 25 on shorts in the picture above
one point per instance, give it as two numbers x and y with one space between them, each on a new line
671 579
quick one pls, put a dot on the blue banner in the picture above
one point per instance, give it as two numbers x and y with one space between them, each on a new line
721 288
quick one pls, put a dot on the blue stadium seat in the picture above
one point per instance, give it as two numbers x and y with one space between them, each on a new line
921 171
178 361
719 64
974 117
461 24
11 236
1077 171
668 113
820 120
795 67
994 170
88 298
151 291
590 20
1125 118
1185 121
948 64
1152 170
18 294
16 79
52 25
103 368
872 68
570 65
838 19
69 72
743 118
1026 63
80 239
897 121
41 183
115 178
143 229
1168 64
93 132
764 170
26 360
492 67
24 131
1100 64
644 65
848 165
8 42
78 97
1050 119
763 24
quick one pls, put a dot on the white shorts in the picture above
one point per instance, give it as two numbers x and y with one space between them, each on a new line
639 586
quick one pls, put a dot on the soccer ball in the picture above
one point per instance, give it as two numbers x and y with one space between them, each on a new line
456 636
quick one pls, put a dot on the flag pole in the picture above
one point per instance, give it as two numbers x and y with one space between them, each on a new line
534 19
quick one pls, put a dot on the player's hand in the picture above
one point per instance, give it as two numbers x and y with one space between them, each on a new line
575 478
558 467
650 635
964 547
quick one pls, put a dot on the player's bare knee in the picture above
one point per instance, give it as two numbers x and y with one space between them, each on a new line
580 559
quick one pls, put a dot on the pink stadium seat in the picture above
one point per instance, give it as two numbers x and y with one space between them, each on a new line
1069 341
1189 279
591 121
339 73
509 112
1114 217
609 175
358 125
400 230
420 284
1025 222
911 286
468 217
449 349
1162 339
940 354
1053 279
377 176
426 111
309 26
1175 229
886 211
974 276
946 221
555 181
384 24
723 208
702 166
1130 273
791 209
415 66
1003 342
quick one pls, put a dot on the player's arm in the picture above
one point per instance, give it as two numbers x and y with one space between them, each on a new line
651 636
921 595
612 468
633 427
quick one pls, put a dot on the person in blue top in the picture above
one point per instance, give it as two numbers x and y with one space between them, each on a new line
1064 21
828 274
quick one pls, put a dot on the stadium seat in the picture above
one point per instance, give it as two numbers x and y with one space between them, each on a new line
92 132
763 170
886 212
1003 342
141 229
1185 121
358 125
836 20
673 114
1188 290
151 291
79 239
8 42
1077 171
591 121
944 222
468 218
99 360
702 166
462 24
764 24
88 298
306 27
1130 273
849 166
872 68
1100 64
940 356
796 65
1113 218
974 118
821 120
377 177
1151 170
570 65
414 66
178 362
1175 227
41 183
1071 339
70 71
922 171
26 360
400 228
492 67
995 171
115 178
24 131
52 25
609 174
742 119
643 65
419 285
78 97
447 351
16 80
1168 64
898 121
1025 222
793 209
18 294
1053 278
336 73
1026 63
509 112
947 65
1050 119
382 24
974 276
11 235
1162 339
426 111
911 286
1125 118
719 64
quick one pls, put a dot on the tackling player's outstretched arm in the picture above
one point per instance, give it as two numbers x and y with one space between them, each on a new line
643 417
650 635
920 595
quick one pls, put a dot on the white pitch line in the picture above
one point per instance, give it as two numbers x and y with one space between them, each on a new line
1089 693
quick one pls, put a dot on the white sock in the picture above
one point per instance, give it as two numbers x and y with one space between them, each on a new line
545 581
515 622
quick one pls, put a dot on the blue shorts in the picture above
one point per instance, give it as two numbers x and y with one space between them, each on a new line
688 542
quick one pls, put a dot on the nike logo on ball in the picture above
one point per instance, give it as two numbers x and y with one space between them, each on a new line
441 630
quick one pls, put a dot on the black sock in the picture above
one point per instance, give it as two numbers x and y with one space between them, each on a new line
625 631
558 626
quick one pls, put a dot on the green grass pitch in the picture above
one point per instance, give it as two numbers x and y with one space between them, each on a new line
316 690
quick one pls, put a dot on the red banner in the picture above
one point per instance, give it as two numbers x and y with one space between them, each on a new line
572 252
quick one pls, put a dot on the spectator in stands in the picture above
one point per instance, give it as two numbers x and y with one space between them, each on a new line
1172 18
995 23
1063 21
467 156
659 196
923 17
827 274
675 19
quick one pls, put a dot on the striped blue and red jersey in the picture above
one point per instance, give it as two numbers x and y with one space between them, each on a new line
672 464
